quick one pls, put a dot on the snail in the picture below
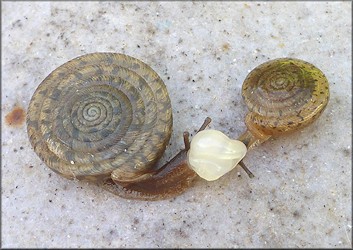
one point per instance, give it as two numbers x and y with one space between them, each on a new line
106 118
283 96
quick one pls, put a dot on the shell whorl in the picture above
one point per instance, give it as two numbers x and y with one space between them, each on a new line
284 94
100 115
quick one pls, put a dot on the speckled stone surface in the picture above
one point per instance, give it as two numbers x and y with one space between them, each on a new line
301 195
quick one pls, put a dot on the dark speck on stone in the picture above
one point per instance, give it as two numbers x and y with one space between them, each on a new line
296 214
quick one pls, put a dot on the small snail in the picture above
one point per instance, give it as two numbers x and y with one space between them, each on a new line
106 118
283 95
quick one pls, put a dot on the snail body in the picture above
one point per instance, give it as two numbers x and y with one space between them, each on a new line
283 96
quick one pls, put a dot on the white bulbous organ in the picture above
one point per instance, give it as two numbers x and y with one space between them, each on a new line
213 154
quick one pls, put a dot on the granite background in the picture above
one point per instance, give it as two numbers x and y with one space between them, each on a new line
301 195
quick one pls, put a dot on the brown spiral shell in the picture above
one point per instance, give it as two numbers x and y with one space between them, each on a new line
283 95
100 116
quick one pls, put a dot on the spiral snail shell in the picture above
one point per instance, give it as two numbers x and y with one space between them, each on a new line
283 95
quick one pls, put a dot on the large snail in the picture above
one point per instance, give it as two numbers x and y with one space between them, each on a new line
106 118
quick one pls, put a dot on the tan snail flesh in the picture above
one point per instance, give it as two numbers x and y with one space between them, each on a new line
106 118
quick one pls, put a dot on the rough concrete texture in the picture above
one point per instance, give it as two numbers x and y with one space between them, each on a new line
301 195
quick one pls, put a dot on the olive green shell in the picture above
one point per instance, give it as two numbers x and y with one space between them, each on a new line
283 95
100 116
